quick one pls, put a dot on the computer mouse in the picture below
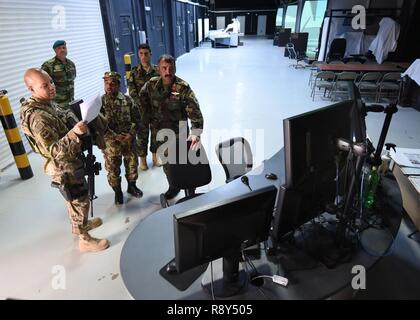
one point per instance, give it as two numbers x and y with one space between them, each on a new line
171 268
271 176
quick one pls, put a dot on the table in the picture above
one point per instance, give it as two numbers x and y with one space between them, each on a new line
360 67
222 41
409 194
150 246
403 65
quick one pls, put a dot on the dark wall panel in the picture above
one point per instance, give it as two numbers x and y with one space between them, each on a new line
155 28
122 22
189 26
246 4
179 28
407 49
169 27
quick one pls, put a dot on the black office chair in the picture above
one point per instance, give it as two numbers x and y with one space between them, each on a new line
235 155
188 176
337 49
295 55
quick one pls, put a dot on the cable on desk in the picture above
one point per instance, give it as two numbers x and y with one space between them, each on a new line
249 279
388 252
275 278
211 281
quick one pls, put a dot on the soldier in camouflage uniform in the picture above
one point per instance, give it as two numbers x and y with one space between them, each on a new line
47 127
123 123
63 72
165 101
139 75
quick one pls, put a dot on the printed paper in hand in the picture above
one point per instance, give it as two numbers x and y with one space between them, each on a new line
90 108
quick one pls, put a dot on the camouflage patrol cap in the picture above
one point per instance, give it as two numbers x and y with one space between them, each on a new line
113 75
58 43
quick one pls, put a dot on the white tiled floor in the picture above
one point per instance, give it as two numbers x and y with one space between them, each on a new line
245 91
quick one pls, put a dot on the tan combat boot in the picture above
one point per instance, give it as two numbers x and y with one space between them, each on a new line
143 164
87 243
91 224
156 161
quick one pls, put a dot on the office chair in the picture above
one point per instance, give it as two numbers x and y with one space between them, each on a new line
235 155
294 55
337 49
188 176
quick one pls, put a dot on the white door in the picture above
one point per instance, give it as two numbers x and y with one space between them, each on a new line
206 28
200 30
241 20
262 25
220 23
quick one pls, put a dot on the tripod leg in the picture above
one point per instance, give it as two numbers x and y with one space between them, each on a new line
347 214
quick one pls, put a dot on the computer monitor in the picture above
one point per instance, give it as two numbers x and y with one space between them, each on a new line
312 161
219 230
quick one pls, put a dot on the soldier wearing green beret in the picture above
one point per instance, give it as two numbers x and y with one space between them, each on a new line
63 72
123 119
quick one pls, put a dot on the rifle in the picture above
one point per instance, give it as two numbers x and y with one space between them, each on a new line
90 166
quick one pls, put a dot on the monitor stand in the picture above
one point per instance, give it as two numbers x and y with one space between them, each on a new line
228 280
181 280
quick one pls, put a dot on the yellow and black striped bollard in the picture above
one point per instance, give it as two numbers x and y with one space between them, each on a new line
127 64
13 137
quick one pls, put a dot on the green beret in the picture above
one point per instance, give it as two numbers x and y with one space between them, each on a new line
112 74
58 43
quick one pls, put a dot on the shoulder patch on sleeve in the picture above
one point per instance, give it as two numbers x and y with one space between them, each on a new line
39 128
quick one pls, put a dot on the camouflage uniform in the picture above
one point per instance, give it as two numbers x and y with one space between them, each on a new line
48 128
123 117
137 79
165 107
63 75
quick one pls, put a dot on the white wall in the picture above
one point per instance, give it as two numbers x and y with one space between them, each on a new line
28 28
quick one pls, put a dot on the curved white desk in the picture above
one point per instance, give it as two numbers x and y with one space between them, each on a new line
150 246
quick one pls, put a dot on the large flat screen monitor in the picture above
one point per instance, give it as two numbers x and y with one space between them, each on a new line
313 161
219 230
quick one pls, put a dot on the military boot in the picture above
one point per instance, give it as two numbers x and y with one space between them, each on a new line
87 243
133 190
156 161
118 195
143 164
91 224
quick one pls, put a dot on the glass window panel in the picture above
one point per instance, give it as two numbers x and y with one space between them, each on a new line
279 17
312 17
290 20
